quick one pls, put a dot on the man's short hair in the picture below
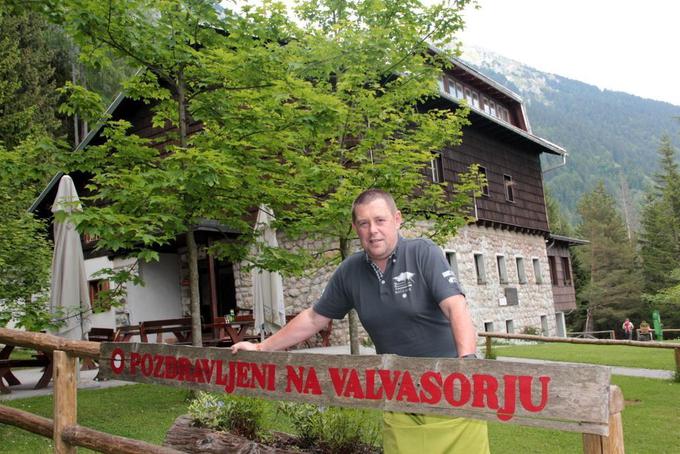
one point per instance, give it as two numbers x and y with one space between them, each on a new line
370 195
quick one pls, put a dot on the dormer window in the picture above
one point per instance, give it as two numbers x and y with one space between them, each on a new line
474 98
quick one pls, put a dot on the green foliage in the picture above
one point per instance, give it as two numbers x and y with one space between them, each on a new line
532 330
298 118
27 96
612 291
239 415
25 252
330 430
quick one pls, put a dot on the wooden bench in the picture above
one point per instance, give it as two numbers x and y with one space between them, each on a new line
180 327
126 333
38 360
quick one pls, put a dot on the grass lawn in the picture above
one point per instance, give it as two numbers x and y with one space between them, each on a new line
146 412
611 355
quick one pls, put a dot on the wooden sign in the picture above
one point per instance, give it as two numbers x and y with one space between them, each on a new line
557 396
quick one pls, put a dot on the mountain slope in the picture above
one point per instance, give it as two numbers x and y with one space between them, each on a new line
611 136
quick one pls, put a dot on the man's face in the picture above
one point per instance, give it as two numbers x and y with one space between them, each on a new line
377 228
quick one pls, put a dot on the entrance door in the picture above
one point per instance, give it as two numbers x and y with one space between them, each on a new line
217 301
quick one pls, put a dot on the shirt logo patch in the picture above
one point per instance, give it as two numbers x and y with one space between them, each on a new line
449 276
403 283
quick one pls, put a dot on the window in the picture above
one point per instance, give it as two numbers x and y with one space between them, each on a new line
553 271
521 273
538 276
475 100
502 270
509 191
544 325
509 326
484 182
453 261
468 95
488 327
566 271
479 268
95 287
437 168
459 90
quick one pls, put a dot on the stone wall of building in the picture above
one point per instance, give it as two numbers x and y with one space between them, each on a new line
486 300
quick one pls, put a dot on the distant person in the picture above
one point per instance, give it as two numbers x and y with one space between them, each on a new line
645 333
628 329
411 304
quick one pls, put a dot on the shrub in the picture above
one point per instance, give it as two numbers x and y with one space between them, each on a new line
331 430
531 330
240 415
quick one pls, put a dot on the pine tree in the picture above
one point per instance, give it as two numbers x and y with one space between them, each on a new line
612 291
660 236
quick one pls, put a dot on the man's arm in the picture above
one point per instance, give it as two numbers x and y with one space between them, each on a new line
455 309
305 325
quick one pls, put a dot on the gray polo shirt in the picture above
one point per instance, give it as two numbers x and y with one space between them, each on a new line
400 309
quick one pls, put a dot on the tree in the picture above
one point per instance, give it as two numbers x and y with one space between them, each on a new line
28 155
613 288
27 91
299 119
660 235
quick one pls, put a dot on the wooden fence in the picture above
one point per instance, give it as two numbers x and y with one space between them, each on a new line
550 396
569 340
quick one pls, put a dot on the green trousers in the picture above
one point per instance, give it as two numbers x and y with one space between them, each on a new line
411 433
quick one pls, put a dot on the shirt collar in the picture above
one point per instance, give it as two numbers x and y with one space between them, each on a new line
392 256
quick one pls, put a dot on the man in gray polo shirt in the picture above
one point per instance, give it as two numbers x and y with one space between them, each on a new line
411 304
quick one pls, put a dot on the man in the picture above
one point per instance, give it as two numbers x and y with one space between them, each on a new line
410 303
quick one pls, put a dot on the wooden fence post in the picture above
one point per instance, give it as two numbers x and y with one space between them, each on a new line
65 403
677 363
613 443
488 354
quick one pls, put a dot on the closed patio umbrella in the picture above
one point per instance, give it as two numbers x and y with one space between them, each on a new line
268 307
69 294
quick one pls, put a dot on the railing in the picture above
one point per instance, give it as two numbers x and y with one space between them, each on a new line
545 395
589 334
529 337
64 429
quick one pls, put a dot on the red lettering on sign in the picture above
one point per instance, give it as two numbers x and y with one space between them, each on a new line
243 375
337 380
371 392
302 385
431 387
450 389
353 387
117 361
507 412
485 386
198 374
158 366
407 389
171 371
525 393
135 361
389 382
184 368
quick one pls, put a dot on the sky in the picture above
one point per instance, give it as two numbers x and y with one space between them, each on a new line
622 45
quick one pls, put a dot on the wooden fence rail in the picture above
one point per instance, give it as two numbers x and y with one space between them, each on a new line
551 396
570 340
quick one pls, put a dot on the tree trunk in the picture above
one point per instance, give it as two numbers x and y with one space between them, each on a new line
192 248
192 256
352 317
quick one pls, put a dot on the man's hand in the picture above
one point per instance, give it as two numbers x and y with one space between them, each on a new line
245 346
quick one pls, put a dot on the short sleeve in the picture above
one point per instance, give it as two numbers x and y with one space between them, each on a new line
441 280
334 303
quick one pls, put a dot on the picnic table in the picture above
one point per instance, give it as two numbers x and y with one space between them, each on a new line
179 327
40 359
